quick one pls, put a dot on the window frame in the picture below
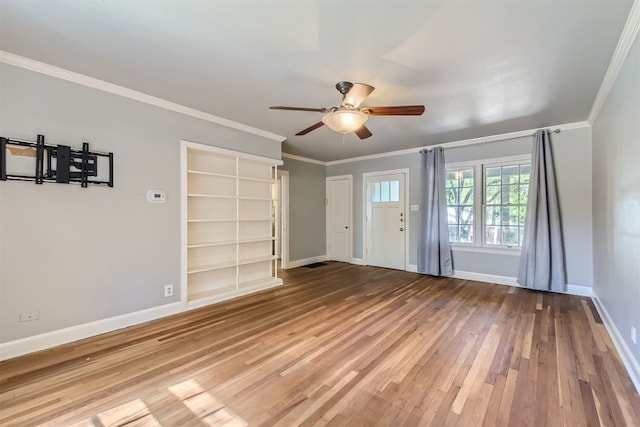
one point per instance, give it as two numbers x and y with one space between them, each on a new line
479 166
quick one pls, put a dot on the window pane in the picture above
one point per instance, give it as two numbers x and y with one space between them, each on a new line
514 194
493 195
492 235
510 236
395 191
510 215
452 215
384 191
466 215
452 196
453 233
522 214
466 234
525 171
375 197
492 176
466 196
510 174
452 180
492 215
523 191
467 178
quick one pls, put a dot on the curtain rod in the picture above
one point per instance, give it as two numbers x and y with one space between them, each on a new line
557 130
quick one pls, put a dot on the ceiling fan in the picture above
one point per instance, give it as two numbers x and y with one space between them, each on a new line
348 117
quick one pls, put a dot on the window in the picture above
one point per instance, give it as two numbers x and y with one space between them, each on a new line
488 199
385 191
460 189
505 203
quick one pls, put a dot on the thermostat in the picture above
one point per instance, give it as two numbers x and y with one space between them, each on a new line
156 196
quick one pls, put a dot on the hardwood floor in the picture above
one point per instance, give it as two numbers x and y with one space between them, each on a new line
339 345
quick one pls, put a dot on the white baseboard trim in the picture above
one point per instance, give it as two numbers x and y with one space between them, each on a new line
630 363
583 291
412 268
488 278
28 345
357 261
305 261
233 294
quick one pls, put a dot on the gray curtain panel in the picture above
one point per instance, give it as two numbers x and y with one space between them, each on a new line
434 251
542 258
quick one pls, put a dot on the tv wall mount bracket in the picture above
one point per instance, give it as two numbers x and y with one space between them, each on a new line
56 163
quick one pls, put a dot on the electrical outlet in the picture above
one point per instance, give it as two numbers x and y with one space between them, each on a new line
168 290
634 337
28 317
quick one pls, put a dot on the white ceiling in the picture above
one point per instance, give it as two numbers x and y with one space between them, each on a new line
481 68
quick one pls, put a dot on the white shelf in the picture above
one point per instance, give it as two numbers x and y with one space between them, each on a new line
208 244
210 267
212 220
257 240
212 196
254 219
256 259
223 175
265 199
247 178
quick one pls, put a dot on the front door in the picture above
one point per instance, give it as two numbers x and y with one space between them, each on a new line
386 221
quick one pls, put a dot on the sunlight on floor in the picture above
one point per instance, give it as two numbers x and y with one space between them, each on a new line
205 406
209 410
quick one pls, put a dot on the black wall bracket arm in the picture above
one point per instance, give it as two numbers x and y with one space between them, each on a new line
63 164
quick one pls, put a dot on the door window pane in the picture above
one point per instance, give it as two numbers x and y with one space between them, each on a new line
384 191
394 195
375 192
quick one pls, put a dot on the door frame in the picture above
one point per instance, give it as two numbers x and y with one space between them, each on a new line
365 209
284 216
328 225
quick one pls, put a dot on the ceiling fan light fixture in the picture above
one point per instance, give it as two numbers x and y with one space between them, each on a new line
345 121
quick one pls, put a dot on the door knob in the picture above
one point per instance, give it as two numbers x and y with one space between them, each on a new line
346 226
402 229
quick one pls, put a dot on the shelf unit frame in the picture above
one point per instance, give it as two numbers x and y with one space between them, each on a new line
197 294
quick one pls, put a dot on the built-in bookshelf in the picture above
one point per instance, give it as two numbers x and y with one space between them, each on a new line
228 224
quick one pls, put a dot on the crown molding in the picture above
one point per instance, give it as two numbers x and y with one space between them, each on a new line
462 143
629 34
303 159
60 73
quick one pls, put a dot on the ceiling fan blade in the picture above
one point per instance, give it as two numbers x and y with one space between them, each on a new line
357 94
280 107
363 132
400 110
310 128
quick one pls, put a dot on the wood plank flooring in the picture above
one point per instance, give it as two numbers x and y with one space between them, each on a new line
339 345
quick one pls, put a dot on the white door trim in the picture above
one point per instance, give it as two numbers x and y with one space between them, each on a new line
365 177
284 214
326 201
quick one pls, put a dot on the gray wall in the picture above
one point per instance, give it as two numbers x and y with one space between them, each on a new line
307 223
79 255
572 150
616 201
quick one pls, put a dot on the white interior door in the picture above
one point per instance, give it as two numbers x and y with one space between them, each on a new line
339 218
386 221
